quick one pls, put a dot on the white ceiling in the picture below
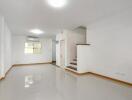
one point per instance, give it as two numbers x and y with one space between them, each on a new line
23 15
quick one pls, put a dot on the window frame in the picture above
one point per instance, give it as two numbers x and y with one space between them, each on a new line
33 47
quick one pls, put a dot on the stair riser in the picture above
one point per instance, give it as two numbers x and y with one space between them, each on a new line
74 62
75 66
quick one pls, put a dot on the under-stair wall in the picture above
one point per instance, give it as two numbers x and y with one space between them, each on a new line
71 38
74 39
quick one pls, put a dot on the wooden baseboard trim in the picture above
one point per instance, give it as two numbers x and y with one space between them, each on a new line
73 71
101 76
110 78
6 73
20 65
1 77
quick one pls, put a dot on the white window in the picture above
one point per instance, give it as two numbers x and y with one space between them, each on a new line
33 47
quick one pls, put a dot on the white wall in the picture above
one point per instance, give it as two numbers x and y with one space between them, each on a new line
19 57
1 43
84 58
80 29
111 46
5 47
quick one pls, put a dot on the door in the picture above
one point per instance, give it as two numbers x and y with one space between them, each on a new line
62 53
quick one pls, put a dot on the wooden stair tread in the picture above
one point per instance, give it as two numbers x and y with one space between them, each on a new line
73 63
73 68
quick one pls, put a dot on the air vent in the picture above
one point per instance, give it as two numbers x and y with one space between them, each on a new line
33 39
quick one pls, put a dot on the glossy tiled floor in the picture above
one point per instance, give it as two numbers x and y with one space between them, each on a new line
47 82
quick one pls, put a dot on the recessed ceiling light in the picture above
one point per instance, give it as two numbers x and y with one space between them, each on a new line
36 31
57 3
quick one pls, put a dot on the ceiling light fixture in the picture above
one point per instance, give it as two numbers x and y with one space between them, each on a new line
57 3
36 31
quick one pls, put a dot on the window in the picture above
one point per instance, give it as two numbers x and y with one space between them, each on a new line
32 47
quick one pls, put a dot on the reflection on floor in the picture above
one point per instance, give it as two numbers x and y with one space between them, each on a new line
47 82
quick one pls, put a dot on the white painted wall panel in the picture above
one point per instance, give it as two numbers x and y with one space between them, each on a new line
19 57
111 46
5 47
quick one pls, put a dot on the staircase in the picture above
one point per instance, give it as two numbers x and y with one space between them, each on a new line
73 65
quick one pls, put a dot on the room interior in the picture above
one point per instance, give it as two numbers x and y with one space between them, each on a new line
65 49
